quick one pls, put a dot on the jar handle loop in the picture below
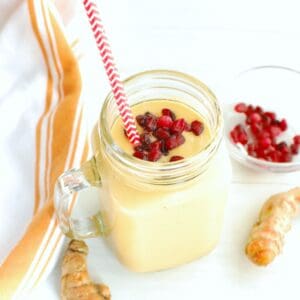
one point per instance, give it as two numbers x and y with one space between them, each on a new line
67 188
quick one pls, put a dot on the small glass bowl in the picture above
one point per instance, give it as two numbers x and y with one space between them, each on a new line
274 88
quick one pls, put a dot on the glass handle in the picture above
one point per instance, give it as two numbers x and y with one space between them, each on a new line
67 187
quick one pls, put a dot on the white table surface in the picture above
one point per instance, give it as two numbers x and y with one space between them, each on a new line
213 40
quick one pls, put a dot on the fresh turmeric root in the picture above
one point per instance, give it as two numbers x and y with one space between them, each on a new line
75 281
267 235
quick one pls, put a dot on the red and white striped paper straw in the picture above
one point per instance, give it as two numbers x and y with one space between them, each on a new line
111 71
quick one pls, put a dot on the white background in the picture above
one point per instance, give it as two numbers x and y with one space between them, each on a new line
214 41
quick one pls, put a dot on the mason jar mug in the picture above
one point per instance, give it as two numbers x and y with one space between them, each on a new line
153 215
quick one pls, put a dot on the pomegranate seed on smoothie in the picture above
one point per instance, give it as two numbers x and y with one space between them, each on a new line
167 129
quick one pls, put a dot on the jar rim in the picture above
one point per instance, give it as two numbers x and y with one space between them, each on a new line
164 167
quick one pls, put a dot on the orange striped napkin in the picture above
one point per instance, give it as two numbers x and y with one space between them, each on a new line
41 135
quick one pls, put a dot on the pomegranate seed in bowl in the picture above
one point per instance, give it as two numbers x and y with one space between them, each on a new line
296 139
261 134
294 148
240 107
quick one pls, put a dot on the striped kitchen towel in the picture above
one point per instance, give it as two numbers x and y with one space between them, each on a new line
41 134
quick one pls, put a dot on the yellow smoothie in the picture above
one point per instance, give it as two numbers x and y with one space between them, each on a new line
151 226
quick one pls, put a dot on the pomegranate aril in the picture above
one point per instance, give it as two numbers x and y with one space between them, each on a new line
282 147
234 136
294 148
141 120
266 120
240 107
274 131
168 112
263 134
239 128
260 153
275 123
170 143
258 110
150 122
239 135
296 139
164 121
162 133
174 141
163 148
139 148
270 114
254 118
242 138
155 145
140 155
285 157
255 128
154 155
197 127
234 133
264 143
283 125
176 158
145 138
275 156
271 154
178 126
250 110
